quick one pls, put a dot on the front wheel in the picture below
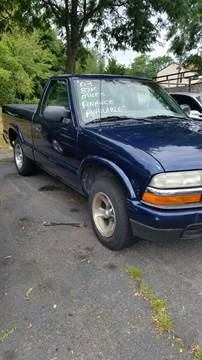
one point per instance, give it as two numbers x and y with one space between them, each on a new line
24 165
109 216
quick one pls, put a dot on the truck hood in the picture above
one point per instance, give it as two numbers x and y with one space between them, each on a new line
175 143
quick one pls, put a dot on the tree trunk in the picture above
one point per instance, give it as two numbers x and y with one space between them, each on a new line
74 33
71 60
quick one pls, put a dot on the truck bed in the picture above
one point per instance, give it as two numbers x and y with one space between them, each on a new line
22 111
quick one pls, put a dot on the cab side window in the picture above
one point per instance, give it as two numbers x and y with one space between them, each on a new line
56 95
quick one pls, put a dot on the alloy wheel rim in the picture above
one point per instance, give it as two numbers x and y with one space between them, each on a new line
18 156
104 216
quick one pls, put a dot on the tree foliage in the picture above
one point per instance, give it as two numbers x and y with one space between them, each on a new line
90 63
25 64
31 51
120 23
113 67
144 65
185 32
27 60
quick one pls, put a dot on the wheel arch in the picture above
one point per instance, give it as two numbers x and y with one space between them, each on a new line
104 166
14 133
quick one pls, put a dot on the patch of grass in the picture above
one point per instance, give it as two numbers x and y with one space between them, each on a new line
135 272
143 288
198 354
156 303
163 322
8 332
160 315
196 350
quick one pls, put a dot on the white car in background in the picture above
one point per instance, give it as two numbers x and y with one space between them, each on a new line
192 101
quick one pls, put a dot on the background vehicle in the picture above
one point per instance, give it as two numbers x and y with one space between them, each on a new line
192 100
125 144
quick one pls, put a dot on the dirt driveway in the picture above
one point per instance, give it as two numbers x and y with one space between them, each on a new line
64 296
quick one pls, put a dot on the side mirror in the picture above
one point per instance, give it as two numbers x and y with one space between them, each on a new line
186 108
53 113
195 114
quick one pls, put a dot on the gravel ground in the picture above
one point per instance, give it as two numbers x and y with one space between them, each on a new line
64 296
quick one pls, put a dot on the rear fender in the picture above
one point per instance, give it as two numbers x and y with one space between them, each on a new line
18 132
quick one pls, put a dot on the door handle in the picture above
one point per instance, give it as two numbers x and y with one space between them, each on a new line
38 127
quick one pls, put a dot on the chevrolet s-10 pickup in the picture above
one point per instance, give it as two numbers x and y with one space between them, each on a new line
125 144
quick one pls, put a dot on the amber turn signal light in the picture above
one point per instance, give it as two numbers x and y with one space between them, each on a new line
171 200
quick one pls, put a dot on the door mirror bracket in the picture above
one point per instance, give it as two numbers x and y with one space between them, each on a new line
67 120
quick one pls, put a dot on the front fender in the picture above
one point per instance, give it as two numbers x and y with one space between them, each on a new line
112 167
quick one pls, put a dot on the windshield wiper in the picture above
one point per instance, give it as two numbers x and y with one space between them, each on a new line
108 118
164 116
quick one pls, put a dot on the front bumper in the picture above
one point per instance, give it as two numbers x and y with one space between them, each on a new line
152 224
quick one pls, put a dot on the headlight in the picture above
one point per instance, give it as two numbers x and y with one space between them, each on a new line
174 189
177 180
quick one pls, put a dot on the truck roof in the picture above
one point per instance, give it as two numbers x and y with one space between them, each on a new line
100 76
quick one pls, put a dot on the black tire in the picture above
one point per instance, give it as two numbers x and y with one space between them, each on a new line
27 166
121 236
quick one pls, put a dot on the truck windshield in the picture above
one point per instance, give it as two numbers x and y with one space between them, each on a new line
123 99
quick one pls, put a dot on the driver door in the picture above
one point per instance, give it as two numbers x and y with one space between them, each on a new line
55 138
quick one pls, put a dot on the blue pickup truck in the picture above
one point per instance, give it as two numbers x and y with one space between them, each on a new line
125 144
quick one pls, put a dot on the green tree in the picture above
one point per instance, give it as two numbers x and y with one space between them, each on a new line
194 61
48 39
90 63
120 24
113 67
185 32
141 66
23 61
144 65
160 62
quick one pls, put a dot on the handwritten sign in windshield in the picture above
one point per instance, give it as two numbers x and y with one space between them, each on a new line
125 98
97 100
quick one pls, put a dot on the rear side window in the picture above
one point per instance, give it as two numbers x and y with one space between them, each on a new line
56 94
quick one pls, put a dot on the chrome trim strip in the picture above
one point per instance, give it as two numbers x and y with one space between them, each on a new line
167 192
174 207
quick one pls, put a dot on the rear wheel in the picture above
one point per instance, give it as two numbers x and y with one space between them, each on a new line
24 165
109 216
